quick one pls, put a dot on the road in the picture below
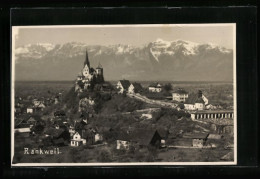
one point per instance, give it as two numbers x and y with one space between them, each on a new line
151 101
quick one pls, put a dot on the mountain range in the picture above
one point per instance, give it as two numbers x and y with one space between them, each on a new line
177 60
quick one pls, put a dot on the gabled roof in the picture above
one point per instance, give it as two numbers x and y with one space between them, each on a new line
193 98
141 136
155 85
137 86
199 100
54 132
85 134
58 141
180 91
125 83
122 135
163 132
31 119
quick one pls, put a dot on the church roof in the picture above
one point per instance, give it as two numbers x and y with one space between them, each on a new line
86 62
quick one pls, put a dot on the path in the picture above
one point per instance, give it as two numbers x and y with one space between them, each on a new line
151 101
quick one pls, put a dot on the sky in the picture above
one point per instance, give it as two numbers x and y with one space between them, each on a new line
220 34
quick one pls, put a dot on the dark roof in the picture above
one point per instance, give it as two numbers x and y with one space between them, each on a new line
155 85
31 119
125 83
21 120
84 133
199 100
58 141
122 135
141 136
193 98
196 136
137 86
180 91
163 132
54 132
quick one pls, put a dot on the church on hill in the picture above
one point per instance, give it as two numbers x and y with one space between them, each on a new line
89 76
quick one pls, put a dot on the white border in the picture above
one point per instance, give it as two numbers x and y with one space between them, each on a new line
14 31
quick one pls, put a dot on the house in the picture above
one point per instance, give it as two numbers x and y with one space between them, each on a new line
135 88
164 133
71 130
29 110
77 140
198 139
56 135
85 136
196 101
123 85
40 106
31 121
155 87
38 103
180 95
17 110
138 138
146 137
21 126
123 141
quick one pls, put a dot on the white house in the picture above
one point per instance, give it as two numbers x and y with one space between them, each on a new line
77 140
29 110
155 87
134 88
180 95
196 101
123 85
98 137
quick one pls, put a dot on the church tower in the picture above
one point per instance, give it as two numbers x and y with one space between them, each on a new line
87 60
86 69
99 69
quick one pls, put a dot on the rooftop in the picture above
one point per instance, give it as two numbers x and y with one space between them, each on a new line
211 111
180 91
196 136
155 85
125 83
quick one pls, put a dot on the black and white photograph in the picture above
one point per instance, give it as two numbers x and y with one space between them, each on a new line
142 94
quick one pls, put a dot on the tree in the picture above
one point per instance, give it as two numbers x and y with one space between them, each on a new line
167 87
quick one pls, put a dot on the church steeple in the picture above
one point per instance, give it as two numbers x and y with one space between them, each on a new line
87 60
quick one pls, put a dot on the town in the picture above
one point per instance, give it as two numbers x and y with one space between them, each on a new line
125 121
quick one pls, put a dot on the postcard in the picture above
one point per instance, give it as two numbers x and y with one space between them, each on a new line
113 95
